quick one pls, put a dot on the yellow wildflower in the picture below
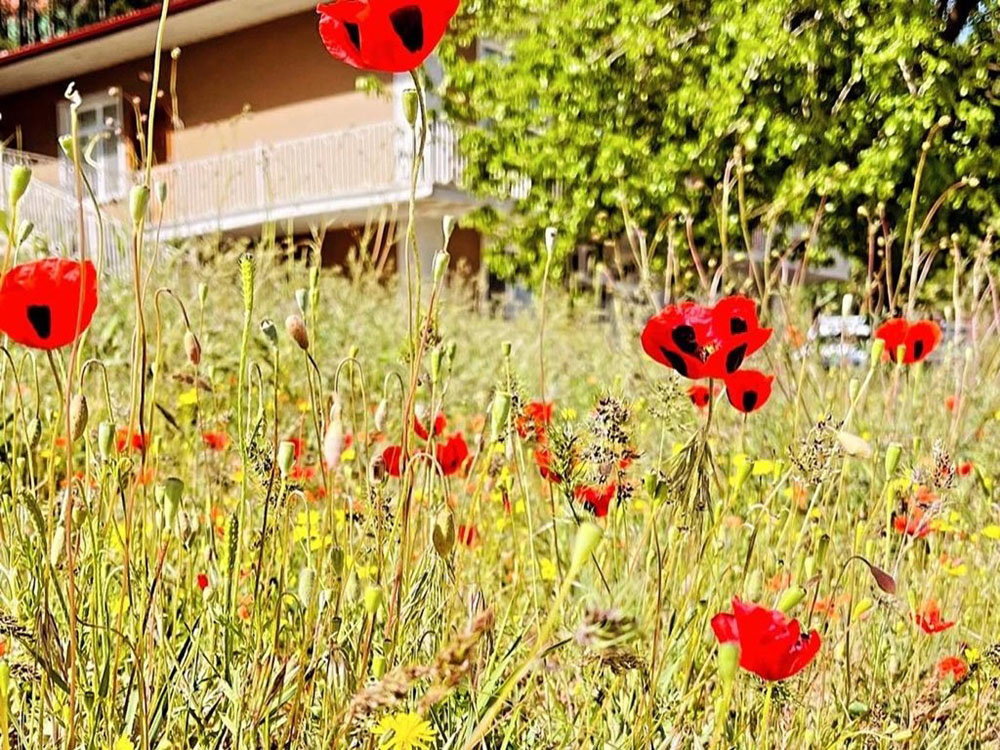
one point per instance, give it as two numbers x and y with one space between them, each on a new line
405 731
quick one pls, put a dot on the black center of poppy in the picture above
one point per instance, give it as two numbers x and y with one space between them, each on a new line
40 317
676 361
738 325
918 349
749 400
685 339
408 23
354 34
735 358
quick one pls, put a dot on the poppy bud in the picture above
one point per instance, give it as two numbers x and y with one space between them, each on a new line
378 667
372 599
729 661
24 232
381 412
441 260
754 584
857 709
192 347
333 441
743 472
78 416
821 549
588 536
34 430
853 387
286 457
66 144
892 454
202 293
307 576
106 439
853 445
270 331
810 566
138 203
435 366
161 192
20 176
296 328
505 348
861 607
448 226
499 413
411 106
173 490
878 348
302 300
791 599
58 544
846 304
443 533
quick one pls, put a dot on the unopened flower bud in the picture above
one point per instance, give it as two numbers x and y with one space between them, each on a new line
892 454
307 576
138 203
443 533
729 661
381 411
878 348
378 667
372 599
66 144
20 177
441 261
411 105
286 457
448 226
499 414
588 536
791 599
192 347
106 440
302 300
78 416
333 441
270 331
296 328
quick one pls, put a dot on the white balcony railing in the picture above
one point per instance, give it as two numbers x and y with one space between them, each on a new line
354 168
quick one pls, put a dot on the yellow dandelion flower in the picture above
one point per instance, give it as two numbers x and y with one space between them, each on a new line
991 532
187 398
547 569
405 731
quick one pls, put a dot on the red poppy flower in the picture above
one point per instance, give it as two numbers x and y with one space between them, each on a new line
954 666
965 468
772 645
392 36
917 339
748 390
202 581
300 473
392 457
928 617
700 342
913 524
124 438
216 441
48 303
468 535
596 499
534 420
440 422
700 395
298 445
452 454
543 459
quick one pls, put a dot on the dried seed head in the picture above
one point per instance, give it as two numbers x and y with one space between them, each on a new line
192 347
78 416
296 328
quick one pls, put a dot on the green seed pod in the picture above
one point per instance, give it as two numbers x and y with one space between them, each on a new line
138 203
378 667
435 366
173 491
448 227
441 261
372 599
302 300
878 348
20 177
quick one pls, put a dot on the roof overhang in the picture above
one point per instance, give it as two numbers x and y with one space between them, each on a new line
133 36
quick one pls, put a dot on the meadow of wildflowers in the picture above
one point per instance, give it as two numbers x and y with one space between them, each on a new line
341 513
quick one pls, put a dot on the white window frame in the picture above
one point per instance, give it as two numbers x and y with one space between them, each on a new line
106 191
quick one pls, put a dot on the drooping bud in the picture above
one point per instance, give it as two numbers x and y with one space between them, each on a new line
20 177
192 347
78 416
441 261
588 536
443 533
791 599
66 144
138 203
302 300
173 491
106 440
411 106
286 457
448 226
296 328
499 414
892 455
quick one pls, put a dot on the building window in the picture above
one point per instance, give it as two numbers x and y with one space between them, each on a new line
102 146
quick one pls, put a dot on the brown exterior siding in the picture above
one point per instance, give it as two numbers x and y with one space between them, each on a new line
267 83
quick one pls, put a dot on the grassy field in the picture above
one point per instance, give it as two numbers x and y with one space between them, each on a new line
246 571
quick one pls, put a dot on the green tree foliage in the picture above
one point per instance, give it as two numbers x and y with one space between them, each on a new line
823 107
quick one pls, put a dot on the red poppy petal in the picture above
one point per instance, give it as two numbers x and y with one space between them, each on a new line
921 339
47 304
725 628
734 316
893 333
748 390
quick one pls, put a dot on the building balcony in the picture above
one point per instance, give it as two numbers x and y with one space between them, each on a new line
26 24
